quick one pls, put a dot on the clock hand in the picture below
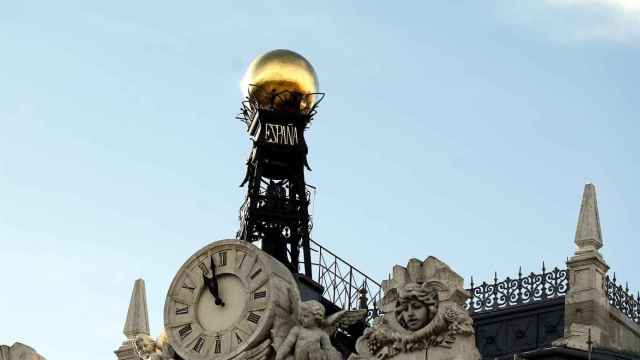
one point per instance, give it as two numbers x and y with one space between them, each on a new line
212 284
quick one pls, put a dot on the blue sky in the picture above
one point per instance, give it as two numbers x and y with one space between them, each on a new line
460 129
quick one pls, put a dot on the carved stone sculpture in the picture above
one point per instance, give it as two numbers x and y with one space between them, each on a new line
308 338
148 348
19 351
423 314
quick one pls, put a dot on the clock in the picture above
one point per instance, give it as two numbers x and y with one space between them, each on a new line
224 298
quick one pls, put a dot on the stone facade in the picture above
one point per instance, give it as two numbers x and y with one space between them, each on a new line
424 316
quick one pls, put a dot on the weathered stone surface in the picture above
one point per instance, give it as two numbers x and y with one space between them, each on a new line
577 336
309 337
148 348
127 351
587 309
413 355
138 316
588 232
622 333
586 305
423 316
137 322
19 351
245 271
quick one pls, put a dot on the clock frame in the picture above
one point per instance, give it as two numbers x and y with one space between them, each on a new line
253 285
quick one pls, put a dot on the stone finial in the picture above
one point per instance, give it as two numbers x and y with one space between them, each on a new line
588 233
137 317
586 303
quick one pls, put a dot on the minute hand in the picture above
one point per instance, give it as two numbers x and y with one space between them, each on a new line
212 284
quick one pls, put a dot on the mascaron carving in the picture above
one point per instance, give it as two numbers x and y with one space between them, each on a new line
422 311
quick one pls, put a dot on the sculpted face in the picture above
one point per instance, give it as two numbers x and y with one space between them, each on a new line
311 314
417 305
307 320
148 346
414 315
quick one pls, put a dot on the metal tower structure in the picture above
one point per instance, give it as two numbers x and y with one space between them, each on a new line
276 207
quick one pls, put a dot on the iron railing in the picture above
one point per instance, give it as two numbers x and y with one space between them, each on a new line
344 285
622 299
522 290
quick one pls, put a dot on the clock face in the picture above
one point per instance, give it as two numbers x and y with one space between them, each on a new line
197 326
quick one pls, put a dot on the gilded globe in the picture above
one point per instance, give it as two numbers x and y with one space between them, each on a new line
281 70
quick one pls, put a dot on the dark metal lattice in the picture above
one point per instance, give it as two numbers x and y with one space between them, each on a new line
276 208
525 289
343 284
285 100
621 299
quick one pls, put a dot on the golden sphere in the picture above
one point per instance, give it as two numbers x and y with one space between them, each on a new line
281 70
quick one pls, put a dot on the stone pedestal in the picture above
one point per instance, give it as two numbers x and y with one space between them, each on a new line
126 351
586 304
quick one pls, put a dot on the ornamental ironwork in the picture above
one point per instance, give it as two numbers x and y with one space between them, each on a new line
525 289
287 101
622 299
343 284
275 212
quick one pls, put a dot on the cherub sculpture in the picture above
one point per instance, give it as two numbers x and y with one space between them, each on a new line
148 348
309 339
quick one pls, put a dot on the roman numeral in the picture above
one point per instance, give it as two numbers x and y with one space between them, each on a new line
244 256
253 276
218 346
204 268
222 257
185 286
260 294
253 317
199 344
181 311
185 331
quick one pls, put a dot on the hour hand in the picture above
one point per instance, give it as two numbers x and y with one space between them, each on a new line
212 284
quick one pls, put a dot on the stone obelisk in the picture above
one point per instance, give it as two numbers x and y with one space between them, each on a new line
137 322
586 304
